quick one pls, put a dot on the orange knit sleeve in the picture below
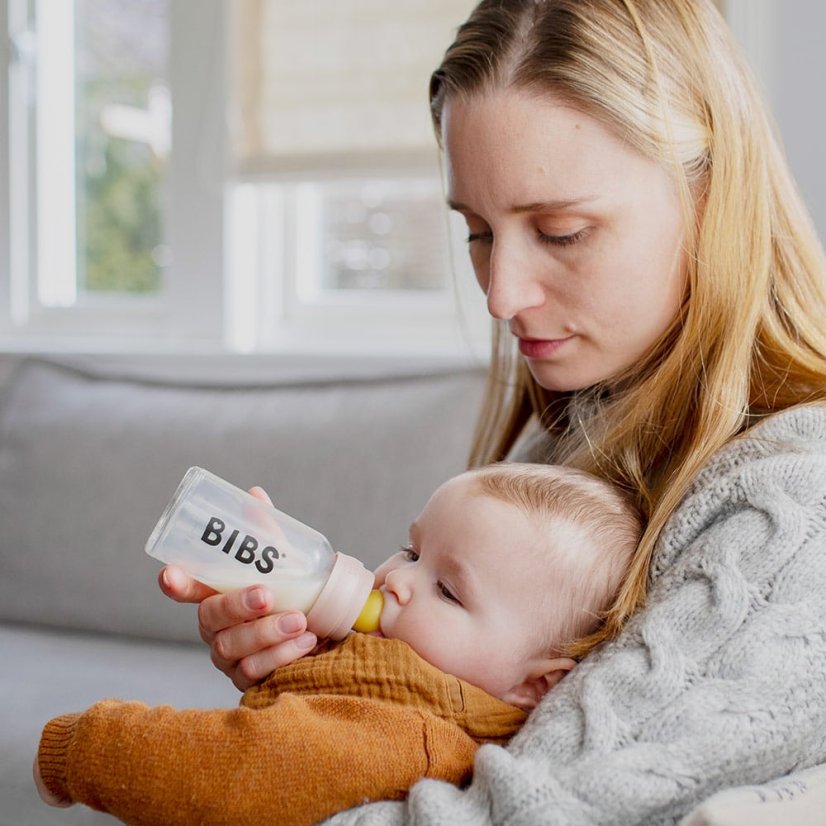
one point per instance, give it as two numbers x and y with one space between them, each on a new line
296 761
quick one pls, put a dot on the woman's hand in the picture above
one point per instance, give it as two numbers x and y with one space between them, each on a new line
45 795
247 641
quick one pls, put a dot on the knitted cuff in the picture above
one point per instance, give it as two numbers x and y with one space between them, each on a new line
52 756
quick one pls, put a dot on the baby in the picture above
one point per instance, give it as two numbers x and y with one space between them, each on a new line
505 568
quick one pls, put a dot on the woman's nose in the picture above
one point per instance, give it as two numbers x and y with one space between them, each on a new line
399 584
512 285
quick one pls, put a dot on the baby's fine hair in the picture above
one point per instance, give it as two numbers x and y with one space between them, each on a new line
606 529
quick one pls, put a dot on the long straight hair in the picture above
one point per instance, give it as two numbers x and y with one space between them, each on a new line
667 78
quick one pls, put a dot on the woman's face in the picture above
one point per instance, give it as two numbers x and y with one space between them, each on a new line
574 236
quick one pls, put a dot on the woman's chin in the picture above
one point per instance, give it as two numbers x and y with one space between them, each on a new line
557 380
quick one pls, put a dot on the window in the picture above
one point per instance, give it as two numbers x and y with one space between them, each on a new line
122 141
258 174
103 136
89 128
335 170
111 236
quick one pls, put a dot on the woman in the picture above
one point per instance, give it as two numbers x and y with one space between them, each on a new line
635 229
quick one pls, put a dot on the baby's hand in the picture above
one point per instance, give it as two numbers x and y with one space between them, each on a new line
45 795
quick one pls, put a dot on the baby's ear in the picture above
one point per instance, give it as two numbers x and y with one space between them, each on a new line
543 676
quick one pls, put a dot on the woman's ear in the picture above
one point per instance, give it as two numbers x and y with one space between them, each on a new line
542 677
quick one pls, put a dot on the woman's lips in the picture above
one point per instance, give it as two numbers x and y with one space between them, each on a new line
537 348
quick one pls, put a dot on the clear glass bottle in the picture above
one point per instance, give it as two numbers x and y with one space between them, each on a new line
228 539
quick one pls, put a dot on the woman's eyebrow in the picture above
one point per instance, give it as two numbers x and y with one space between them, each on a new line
553 206
535 206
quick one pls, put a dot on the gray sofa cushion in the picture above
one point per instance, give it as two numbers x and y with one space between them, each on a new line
88 461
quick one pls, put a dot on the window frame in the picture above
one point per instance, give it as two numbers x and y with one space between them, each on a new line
187 314
268 310
201 308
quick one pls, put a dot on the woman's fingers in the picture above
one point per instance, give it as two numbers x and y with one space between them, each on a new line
254 667
260 493
247 642
181 587
224 611
240 641
249 651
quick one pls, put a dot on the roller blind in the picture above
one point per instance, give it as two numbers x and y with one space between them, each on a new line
335 83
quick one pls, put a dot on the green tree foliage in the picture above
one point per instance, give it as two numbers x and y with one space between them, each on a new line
121 226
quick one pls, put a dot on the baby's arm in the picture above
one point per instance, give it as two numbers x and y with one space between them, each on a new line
46 795
297 761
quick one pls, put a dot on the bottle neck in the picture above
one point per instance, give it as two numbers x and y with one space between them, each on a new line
342 599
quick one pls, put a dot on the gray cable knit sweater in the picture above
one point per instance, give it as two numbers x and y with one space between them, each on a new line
719 682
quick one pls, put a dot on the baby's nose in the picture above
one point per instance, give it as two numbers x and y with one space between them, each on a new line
398 584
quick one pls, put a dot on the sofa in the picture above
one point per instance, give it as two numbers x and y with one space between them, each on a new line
91 450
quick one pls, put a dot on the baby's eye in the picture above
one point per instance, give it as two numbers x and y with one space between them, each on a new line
446 594
409 554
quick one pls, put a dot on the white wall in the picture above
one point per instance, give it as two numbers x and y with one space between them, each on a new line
798 95
784 41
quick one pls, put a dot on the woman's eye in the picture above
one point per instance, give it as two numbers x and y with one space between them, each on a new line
446 594
480 236
562 240
409 554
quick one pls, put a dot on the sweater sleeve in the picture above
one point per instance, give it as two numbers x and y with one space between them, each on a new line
717 683
296 761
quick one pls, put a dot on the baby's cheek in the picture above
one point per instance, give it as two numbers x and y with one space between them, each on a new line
417 635
441 650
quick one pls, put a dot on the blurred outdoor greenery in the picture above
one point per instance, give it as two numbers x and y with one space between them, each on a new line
121 48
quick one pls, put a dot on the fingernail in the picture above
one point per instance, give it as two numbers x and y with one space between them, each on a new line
255 600
306 641
290 623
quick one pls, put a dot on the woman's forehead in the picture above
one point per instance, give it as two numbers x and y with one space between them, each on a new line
528 151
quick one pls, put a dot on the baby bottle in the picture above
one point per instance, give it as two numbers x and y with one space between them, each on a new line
228 539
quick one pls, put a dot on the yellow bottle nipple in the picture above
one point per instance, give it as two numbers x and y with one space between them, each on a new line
368 619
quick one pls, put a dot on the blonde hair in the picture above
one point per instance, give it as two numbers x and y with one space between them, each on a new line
666 77
591 561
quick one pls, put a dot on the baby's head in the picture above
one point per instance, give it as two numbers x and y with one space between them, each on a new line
506 566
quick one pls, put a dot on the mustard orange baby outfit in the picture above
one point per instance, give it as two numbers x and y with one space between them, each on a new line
362 721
